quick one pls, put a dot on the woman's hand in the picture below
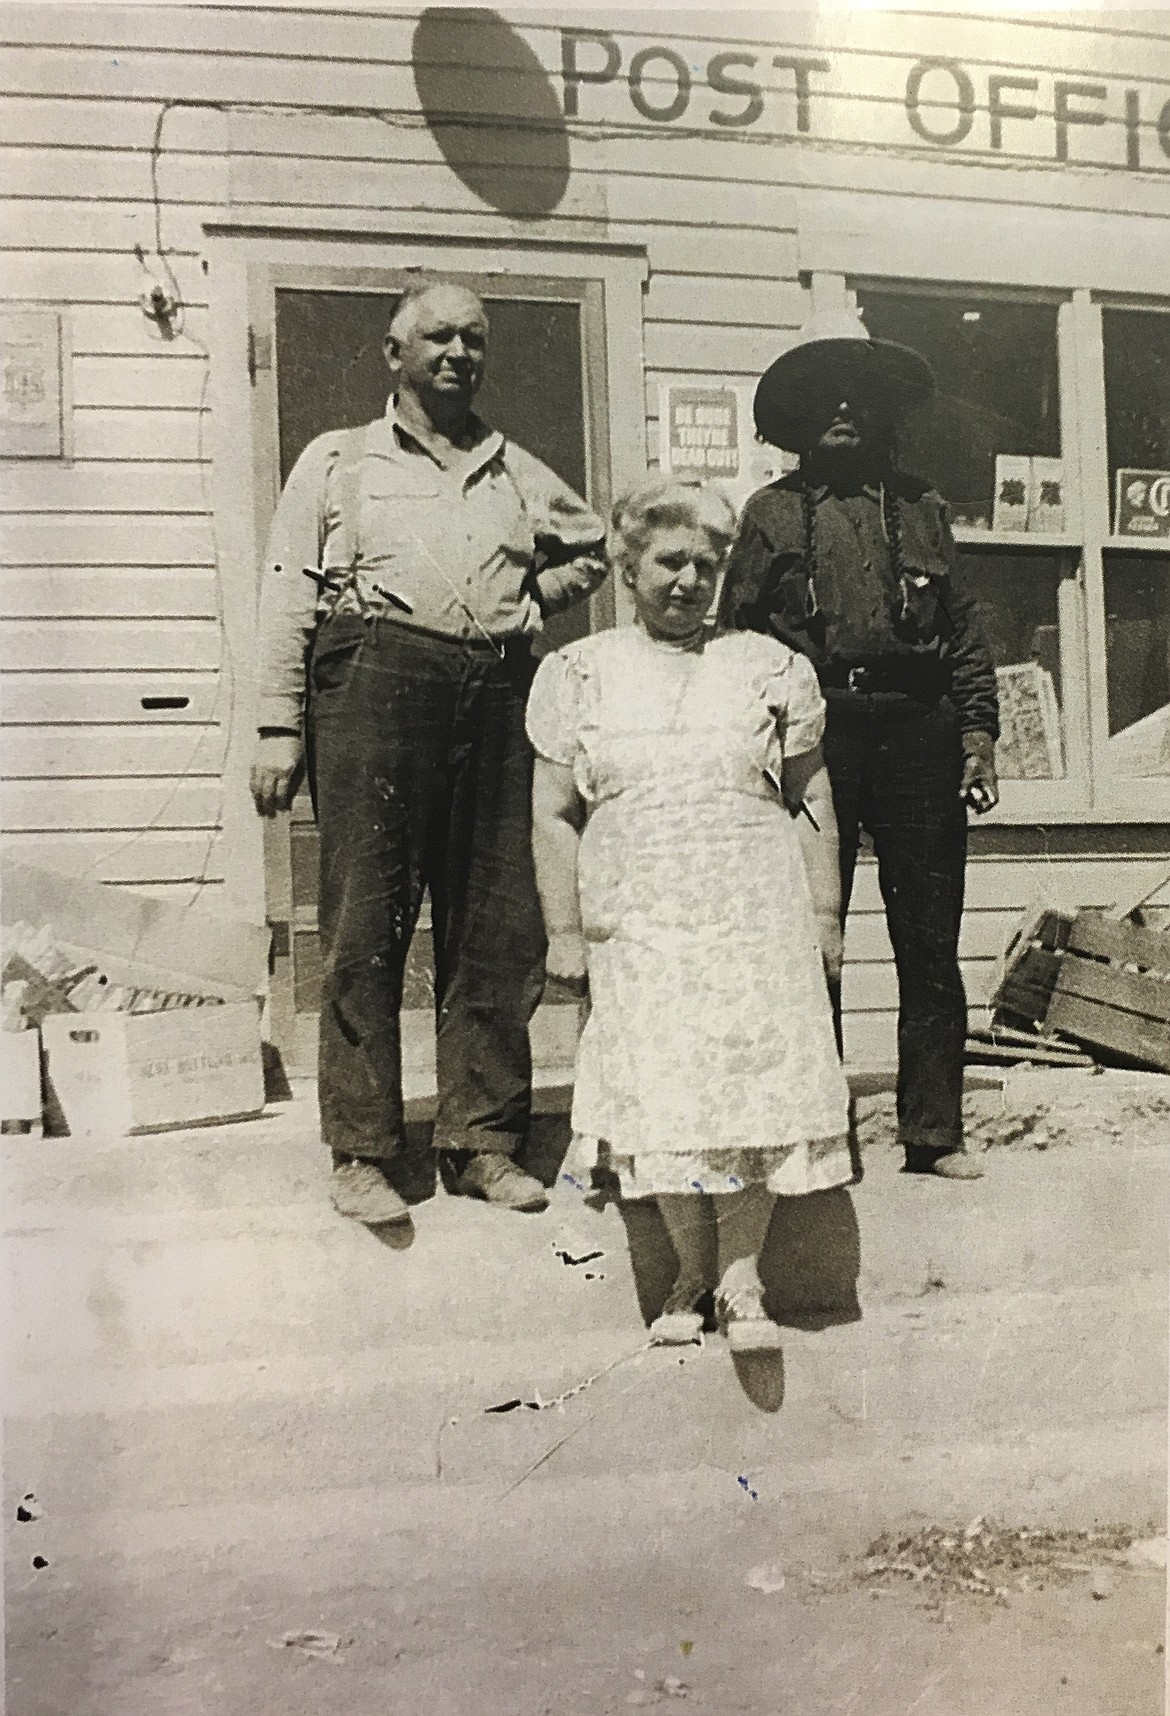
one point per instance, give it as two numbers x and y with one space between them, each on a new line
565 962
832 944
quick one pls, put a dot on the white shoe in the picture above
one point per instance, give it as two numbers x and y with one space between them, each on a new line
678 1324
747 1325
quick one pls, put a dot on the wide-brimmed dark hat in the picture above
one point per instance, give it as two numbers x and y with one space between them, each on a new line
835 354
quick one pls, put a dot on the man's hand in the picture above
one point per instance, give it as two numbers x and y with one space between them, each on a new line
276 771
832 944
565 962
980 788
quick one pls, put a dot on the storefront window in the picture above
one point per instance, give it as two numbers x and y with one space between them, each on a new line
990 440
1137 634
1137 400
1019 600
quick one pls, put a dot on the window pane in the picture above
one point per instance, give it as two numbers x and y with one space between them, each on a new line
1137 401
1018 597
998 397
1137 632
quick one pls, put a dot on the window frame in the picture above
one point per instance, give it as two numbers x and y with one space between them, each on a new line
1090 791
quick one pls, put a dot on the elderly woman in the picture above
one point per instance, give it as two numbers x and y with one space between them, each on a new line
686 858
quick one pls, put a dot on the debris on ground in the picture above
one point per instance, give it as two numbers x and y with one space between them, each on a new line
992 1561
1044 1108
1147 1552
765 1579
311 1642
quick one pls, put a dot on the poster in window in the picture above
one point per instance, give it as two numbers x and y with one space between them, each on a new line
1142 503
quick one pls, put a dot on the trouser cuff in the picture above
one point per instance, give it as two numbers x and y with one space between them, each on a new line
479 1143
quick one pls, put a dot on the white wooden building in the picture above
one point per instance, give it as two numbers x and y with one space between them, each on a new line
207 209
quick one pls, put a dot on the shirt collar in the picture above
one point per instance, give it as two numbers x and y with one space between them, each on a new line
486 443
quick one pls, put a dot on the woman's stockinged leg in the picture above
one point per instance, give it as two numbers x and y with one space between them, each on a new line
685 1216
742 1220
741 1227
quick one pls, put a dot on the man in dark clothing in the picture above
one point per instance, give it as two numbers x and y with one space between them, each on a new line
415 559
852 562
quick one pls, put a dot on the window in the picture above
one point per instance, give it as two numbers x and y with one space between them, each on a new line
1137 638
1062 522
1137 419
997 408
1020 607
992 442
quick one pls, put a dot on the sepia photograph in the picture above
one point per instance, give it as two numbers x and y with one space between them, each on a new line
584 858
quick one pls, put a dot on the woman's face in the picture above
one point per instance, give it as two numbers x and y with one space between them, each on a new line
673 581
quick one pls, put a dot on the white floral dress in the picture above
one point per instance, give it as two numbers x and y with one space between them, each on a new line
708 1061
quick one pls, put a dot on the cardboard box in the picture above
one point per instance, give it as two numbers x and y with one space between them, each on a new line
1046 497
20 1082
115 1073
1013 477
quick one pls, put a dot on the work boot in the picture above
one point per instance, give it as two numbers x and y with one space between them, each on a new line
361 1191
739 1306
944 1164
498 1180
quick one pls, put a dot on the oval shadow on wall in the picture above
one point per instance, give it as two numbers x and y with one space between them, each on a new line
492 109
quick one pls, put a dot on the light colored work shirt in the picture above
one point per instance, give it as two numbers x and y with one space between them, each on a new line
472 543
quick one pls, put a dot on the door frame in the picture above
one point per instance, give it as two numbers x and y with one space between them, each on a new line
247 265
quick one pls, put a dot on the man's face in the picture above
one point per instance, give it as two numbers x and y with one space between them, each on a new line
843 424
440 354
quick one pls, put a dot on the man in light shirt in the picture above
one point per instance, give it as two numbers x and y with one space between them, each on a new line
411 562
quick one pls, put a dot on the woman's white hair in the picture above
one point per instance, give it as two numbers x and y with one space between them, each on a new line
661 502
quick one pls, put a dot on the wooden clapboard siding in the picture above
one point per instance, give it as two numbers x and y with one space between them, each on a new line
45 806
107 540
55 646
101 592
151 436
108 485
60 698
134 856
106 330
132 750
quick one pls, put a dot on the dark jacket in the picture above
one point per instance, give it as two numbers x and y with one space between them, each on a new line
855 610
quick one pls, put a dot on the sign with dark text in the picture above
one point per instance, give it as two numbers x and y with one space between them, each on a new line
933 104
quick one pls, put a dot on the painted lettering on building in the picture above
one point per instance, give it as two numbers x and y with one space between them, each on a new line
932 103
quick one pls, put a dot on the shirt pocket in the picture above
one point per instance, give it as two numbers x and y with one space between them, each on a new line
400 526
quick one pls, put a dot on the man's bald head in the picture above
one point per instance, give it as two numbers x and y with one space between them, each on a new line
444 298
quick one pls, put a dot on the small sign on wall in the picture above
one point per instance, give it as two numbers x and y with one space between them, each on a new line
1143 503
36 406
707 433
700 431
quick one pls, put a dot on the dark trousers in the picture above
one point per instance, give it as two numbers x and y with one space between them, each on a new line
422 779
896 765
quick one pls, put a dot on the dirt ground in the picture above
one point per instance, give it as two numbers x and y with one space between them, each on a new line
689 1620
1046 1109
230 1403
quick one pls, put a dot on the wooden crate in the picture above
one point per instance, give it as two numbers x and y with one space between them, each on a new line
1031 965
1113 989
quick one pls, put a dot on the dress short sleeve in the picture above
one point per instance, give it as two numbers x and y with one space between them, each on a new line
800 707
554 706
